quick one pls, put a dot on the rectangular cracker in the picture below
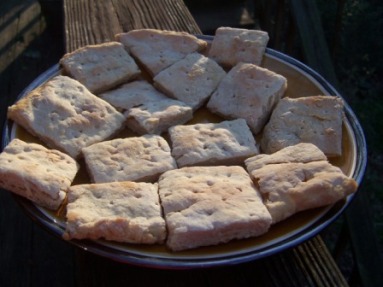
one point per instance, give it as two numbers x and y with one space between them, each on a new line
316 119
65 115
228 143
231 46
129 159
147 110
290 183
158 49
118 211
249 92
210 205
39 174
191 80
100 67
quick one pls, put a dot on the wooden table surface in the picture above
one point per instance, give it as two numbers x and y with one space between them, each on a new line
30 256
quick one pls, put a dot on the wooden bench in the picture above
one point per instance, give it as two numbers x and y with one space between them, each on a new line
28 254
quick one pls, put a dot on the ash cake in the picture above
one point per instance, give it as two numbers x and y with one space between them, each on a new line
315 119
129 159
147 110
119 211
210 205
191 80
65 115
158 49
227 142
231 46
100 67
248 92
31 170
298 178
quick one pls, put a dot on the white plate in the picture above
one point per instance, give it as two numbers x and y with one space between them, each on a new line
302 81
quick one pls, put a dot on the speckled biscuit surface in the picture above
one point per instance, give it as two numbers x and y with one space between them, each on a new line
158 49
133 94
100 67
66 116
134 159
249 92
314 119
231 46
147 110
119 211
291 183
210 205
227 142
37 173
191 80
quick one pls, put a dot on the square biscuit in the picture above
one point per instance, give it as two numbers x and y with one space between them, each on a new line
133 94
249 92
298 178
158 49
118 211
210 205
142 158
65 115
316 119
100 67
227 143
147 110
231 46
191 80
39 174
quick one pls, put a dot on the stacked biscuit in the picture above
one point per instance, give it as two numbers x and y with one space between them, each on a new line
186 185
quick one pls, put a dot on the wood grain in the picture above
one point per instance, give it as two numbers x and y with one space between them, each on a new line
93 22
309 264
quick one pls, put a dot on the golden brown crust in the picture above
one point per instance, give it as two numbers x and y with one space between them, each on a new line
248 92
66 116
231 46
100 67
224 143
315 119
119 211
191 80
158 49
135 159
290 183
147 110
210 205
37 173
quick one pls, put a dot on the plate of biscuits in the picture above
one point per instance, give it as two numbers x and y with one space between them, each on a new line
170 150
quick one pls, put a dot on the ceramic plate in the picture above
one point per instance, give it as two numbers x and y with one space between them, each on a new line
302 81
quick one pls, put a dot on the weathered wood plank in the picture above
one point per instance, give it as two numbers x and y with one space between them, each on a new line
156 14
89 22
93 22
309 264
